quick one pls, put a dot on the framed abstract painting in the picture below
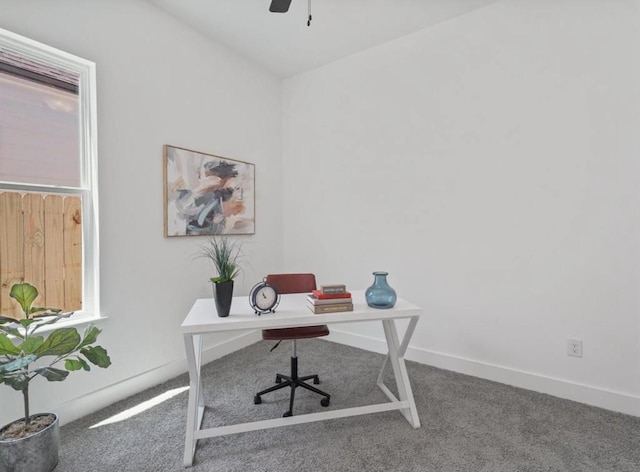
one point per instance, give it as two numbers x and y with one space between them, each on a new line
206 194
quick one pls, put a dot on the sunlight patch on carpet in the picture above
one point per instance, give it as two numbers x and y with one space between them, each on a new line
126 414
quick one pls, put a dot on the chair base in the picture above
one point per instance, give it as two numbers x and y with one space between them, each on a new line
293 381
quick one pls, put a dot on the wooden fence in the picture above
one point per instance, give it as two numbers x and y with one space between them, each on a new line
41 243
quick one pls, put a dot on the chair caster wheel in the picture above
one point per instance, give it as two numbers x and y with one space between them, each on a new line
257 400
316 380
288 413
278 379
324 402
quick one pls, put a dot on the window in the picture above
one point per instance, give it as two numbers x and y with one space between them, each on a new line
48 176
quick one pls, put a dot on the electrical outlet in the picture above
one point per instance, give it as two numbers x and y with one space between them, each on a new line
574 347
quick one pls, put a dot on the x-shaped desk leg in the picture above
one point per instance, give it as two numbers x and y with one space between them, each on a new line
396 357
195 407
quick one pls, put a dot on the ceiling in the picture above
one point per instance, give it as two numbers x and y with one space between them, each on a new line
282 42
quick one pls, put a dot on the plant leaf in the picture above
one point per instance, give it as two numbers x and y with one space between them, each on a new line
44 311
6 346
97 355
225 256
54 319
26 322
18 382
90 336
59 342
24 294
18 363
73 364
52 374
12 330
31 344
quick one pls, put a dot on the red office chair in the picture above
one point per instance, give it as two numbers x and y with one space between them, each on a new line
293 283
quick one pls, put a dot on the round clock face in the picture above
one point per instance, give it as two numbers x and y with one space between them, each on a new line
264 297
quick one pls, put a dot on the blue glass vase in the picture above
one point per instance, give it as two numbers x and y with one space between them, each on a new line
380 294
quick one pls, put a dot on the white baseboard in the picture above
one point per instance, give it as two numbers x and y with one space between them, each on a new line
81 406
595 396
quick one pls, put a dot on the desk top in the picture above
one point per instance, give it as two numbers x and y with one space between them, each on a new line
292 311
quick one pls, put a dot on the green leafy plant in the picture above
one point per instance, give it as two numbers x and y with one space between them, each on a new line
225 256
21 346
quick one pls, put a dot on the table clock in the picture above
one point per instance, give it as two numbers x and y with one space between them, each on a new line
264 298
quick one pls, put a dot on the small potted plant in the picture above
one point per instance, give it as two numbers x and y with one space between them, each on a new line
225 256
31 442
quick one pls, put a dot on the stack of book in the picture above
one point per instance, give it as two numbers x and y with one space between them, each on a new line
330 299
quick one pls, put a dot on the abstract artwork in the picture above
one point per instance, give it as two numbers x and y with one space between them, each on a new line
207 194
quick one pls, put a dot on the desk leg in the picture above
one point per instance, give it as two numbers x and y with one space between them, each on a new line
195 408
396 357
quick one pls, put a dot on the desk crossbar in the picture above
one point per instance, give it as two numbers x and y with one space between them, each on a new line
300 419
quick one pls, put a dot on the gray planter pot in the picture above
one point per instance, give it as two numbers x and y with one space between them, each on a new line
223 295
35 453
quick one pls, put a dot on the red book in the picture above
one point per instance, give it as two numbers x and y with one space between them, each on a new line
323 296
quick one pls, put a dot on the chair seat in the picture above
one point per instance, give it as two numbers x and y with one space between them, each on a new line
298 332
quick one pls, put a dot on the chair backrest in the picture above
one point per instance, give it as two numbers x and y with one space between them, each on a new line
292 283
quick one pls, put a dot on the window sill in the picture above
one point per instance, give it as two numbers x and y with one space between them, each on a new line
77 320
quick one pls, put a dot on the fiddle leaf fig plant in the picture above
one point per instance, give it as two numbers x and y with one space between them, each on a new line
21 345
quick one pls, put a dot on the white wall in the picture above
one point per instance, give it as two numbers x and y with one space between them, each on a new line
158 83
490 164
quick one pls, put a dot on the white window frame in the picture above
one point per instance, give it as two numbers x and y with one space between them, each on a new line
88 134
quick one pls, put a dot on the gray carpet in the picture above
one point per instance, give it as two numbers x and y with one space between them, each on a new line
468 424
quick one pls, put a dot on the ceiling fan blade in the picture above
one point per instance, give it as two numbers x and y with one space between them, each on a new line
280 6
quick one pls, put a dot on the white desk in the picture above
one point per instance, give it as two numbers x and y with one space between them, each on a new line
293 311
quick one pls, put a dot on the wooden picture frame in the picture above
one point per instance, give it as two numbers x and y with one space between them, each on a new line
205 194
